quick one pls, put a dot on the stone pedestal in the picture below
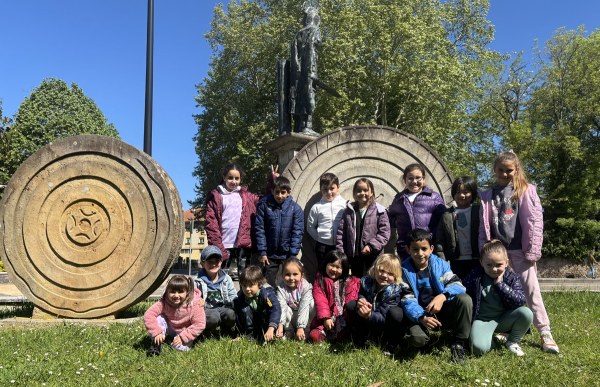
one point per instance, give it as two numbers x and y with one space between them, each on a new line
287 146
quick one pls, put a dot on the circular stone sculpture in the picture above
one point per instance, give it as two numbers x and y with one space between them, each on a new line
378 153
89 225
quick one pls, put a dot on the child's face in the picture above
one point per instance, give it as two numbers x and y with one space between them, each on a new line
250 290
292 276
211 266
333 270
232 179
420 251
280 195
384 277
463 197
176 297
414 181
504 172
494 264
362 194
330 192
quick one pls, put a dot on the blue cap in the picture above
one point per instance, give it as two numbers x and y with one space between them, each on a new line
211 251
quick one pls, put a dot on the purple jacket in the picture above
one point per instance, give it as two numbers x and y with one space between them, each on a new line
214 213
531 218
425 212
376 230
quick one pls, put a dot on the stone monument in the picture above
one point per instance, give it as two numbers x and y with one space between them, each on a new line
89 225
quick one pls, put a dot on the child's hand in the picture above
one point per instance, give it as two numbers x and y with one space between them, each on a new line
177 341
275 171
366 250
269 334
436 304
365 308
263 260
300 335
328 324
279 332
159 339
431 322
499 279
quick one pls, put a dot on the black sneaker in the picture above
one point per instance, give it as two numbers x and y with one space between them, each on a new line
153 351
458 353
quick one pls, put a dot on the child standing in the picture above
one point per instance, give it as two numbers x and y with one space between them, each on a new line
296 301
511 212
439 300
376 314
179 315
217 291
498 301
229 211
279 228
324 217
457 233
256 306
364 228
332 290
417 206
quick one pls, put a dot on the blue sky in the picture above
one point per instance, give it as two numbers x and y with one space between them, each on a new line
100 45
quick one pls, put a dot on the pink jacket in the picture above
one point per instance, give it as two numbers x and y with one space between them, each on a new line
214 213
189 321
324 299
531 218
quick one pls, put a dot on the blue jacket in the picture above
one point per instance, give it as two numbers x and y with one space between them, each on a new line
279 228
510 289
267 302
442 280
225 285
381 300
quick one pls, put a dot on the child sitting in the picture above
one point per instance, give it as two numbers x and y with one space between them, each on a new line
376 314
332 290
256 307
498 301
178 317
439 299
218 292
324 216
296 301
279 228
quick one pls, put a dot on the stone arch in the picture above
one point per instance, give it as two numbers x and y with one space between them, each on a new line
377 152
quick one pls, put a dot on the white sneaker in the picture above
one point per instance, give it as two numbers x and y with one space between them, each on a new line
501 338
548 343
514 348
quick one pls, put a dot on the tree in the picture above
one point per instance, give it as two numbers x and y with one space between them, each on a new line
5 124
414 65
53 110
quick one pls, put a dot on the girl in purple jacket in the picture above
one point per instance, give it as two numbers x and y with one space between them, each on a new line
364 229
417 206
511 212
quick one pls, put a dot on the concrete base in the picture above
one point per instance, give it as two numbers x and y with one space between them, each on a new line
287 146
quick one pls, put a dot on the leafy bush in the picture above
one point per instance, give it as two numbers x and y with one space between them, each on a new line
572 238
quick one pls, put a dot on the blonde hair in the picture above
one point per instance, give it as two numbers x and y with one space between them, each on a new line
494 246
389 263
519 179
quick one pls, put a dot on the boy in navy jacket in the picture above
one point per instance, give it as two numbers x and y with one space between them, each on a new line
279 228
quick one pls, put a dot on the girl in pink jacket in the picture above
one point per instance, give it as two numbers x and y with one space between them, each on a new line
179 315
332 290
511 212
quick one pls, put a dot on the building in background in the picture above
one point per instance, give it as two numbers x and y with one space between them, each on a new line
194 239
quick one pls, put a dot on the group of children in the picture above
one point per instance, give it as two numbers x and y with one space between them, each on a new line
469 269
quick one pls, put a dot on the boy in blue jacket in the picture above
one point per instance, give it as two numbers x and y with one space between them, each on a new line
257 309
439 300
279 228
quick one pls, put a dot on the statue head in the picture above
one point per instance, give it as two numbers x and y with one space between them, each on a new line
311 16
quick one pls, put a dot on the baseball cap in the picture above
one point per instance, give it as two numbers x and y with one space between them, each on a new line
209 252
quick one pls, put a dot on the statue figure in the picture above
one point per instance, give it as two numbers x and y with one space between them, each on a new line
303 70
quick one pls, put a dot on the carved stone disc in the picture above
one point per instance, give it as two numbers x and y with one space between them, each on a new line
89 225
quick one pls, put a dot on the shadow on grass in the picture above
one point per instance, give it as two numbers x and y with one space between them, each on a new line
24 309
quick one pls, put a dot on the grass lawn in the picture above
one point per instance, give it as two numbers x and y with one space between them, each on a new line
75 355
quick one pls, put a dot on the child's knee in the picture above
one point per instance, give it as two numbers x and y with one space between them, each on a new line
417 337
524 314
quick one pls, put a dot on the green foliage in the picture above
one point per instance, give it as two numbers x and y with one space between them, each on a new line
414 65
5 124
1 266
53 110
87 355
572 238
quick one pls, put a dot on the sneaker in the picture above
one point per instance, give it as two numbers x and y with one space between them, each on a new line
514 348
458 353
153 351
501 338
548 343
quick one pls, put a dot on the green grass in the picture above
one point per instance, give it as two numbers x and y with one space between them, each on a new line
75 355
